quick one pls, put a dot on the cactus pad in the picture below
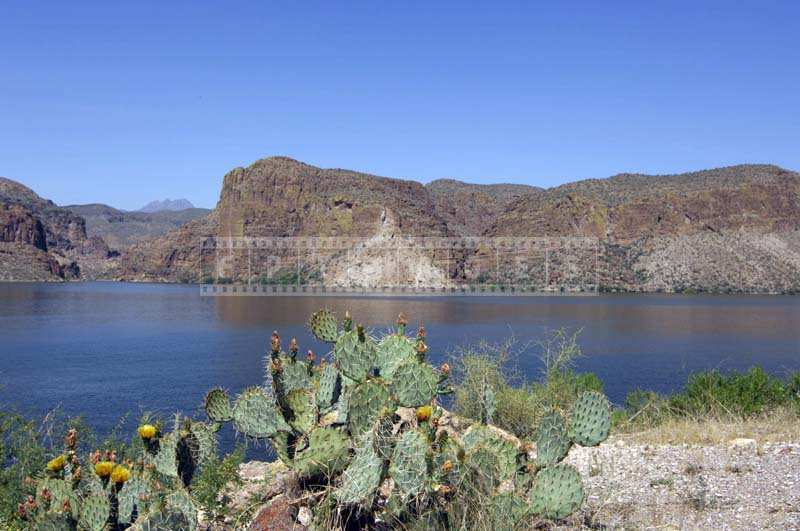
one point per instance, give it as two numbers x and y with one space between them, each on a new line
303 408
361 478
205 436
95 512
180 501
327 453
280 443
590 420
392 351
383 435
414 384
255 415
329 387
128 497
218 406
55 522
355 355
165 460
292 375
324 326
409 466
479 436
557 492
60 492
552 442
366 403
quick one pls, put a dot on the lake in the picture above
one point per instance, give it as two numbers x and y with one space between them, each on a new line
106 349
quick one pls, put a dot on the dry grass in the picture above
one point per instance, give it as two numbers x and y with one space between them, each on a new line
782 425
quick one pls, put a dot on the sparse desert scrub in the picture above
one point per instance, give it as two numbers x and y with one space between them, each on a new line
521 403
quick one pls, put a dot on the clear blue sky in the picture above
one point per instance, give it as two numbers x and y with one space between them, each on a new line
124 102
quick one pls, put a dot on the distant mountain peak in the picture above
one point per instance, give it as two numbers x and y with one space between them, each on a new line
167 204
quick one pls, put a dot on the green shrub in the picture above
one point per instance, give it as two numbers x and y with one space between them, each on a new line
22 455
520 404
209 486
734 394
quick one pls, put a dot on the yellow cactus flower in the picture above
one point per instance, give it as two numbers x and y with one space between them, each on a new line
120 474
104 468
56 464
147 431
424 413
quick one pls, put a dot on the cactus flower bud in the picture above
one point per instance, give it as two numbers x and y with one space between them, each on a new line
71 438
275 342
293 345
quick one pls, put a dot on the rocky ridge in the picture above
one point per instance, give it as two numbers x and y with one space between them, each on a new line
725 230
734 229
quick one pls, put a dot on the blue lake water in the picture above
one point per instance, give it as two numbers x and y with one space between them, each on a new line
106 349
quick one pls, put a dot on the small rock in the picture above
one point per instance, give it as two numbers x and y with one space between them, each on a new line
304 516
743 444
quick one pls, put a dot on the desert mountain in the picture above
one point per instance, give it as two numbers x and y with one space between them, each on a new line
727 229
38 239
734 229
167 205
120 228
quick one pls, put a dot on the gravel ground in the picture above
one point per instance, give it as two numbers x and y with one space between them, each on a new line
739 485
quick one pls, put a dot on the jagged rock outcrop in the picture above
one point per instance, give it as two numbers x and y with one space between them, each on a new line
40 241
19 225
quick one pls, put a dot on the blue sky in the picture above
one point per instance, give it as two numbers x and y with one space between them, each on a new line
124 102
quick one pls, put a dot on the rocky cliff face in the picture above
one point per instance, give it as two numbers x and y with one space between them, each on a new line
729 229
42 241
65 230
470 209
283 197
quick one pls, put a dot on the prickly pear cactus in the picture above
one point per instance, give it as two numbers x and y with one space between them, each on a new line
103 492
218 405
557 491
324 326
590 420
95 512
552 441
409 466
365 422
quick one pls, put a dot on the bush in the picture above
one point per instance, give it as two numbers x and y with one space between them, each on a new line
520 404
210 484
22 455
712 394
734 394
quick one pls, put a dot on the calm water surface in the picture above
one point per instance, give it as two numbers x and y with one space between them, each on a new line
106 349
